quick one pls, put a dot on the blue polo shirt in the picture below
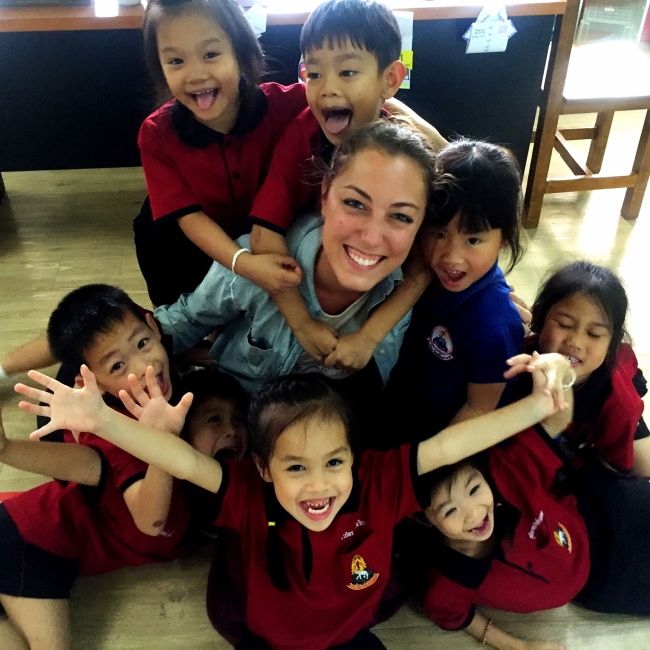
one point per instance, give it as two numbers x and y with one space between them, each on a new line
455 338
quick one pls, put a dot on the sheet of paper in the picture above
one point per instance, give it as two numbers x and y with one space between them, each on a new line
490 31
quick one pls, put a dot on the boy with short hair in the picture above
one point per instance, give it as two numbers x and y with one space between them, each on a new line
130 515
351 51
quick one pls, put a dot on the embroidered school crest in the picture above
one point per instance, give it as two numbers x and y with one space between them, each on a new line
562 537
362 576
440 343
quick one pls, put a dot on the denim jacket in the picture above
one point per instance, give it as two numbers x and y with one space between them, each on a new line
257 344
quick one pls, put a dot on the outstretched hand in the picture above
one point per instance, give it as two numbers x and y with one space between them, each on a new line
150 406
76 409
552 374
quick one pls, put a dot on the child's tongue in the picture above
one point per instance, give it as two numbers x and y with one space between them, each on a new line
337 122
204 100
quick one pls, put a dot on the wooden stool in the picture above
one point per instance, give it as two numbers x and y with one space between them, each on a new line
601 78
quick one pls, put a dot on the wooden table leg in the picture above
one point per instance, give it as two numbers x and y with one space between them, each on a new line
641 166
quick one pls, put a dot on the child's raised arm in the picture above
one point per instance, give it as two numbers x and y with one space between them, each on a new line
83 409
456 442
59 460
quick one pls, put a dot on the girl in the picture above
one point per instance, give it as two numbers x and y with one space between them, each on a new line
205 152
315 521
375 195
580 312
465 326
497 536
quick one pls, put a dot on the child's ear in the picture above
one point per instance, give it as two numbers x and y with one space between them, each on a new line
153 326
264 472
393 75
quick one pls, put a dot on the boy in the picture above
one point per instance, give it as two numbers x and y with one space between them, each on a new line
130 515
351 51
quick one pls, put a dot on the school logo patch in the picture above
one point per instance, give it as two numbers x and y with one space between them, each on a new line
562 537
440 343
362 576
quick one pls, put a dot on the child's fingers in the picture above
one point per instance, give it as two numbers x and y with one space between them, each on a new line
137 391
44 380
43 431
34 409
184 404
152 385
88 377
35 394
129 403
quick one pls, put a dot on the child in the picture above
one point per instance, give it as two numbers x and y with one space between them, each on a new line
497 536
465 326
580 312
315 522
375 196
206 152
216 422
132 515
351 52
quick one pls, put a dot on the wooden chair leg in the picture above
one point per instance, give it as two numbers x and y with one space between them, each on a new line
641 166
599 142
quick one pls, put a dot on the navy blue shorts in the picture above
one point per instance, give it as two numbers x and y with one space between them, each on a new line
29 571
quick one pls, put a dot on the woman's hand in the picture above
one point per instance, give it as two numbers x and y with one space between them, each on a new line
150 406
76 409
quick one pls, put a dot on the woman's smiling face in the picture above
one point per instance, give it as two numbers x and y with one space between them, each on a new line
372 211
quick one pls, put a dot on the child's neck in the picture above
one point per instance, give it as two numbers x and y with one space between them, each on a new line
479 549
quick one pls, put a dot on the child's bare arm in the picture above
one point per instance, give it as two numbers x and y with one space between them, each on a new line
59 460
354 351
82 409
486 632
149 499
271 272
641 466
481 398
35 354
464 439
317 339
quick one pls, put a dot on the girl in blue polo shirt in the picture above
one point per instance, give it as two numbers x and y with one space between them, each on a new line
465 326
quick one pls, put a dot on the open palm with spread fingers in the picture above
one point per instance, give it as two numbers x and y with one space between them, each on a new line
150 407
76 409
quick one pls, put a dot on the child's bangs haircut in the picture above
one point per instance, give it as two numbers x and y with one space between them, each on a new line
230 17
391 138
85 314
596 283
481 182
210 382
286 401
366 24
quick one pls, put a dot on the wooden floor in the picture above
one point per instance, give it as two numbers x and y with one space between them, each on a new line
62 229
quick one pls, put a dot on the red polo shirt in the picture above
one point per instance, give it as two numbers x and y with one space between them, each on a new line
219 174
94 524
336 577
542 559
